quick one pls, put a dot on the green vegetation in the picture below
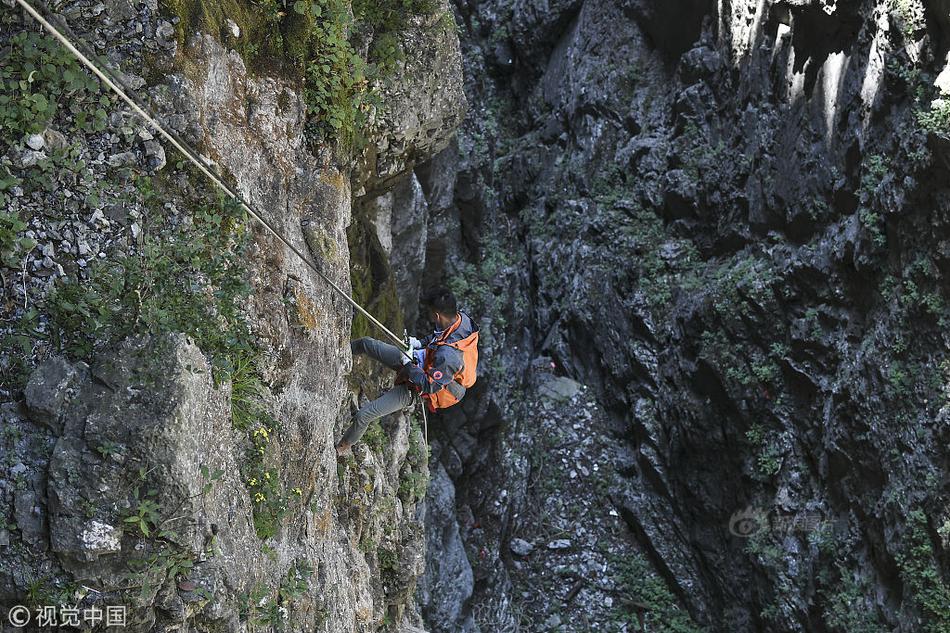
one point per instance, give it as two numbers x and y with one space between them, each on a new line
412 485
37 77
372 280
741 285
703 154
163 558
847 605
876 169
936 119
313 41
247 394
38 80
145 513
375 437
386 19
481 287
418 451
13 247
336 87
769 450
185 278
922 576
388 559
910 17
642 586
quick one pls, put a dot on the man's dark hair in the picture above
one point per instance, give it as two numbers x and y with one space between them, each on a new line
439 299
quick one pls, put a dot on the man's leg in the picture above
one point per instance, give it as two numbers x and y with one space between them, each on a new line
387 354
393 400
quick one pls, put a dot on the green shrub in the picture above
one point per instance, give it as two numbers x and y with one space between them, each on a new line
37 77
335 75
936 119
375 437
640 584
922 577
412 486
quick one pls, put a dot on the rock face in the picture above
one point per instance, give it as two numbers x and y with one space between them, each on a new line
446 586
146 477
730 222
422 104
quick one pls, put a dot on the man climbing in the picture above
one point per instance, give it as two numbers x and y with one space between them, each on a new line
443 365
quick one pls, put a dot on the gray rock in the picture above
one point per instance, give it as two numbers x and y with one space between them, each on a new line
559 544
447 584
29 158
559 388
521 547
48 390
155 153
29 517
165 32
422 103
54 139
35 142
123 159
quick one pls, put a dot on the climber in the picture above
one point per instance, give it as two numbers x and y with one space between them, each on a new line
443 365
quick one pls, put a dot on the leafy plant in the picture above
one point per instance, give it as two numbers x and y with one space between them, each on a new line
375 437
922 576
12 247
335 78
412 486
642 586
145 515
37 77
936 119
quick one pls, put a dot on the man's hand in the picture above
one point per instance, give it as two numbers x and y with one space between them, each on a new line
412 375
414 343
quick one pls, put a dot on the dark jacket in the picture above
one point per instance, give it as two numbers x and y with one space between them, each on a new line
446 363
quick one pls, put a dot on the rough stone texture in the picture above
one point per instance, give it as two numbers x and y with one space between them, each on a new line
726 220
146 432
422 103
400 218
446 587
49 390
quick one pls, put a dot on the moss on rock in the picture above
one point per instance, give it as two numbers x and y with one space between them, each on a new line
373 284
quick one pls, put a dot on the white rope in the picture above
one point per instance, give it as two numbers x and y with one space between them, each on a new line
183 147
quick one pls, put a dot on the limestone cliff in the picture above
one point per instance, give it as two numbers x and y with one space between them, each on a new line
174 377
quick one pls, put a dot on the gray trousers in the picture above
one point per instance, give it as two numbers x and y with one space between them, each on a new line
399 397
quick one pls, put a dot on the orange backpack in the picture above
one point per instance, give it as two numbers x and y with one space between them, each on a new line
465 376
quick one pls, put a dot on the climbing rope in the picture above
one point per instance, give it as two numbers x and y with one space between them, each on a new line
117 86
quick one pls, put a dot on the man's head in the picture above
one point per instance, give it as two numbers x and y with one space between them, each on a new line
439 303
